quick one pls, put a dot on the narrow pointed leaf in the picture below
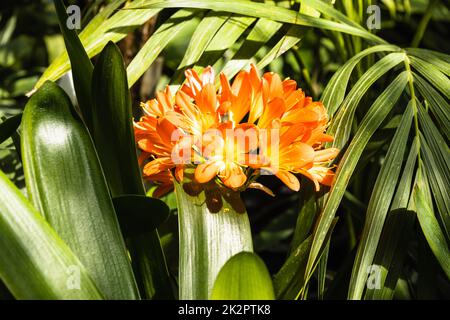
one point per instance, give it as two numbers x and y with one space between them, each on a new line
433 75
79 60
178 22
373 119
202 36
430 226
262 31
334 92
262 10
98 32
379 203
438 105
340 128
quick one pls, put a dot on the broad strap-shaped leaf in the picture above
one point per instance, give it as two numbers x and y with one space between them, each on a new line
207 241
243 277
370 123
112 129
114 139
379 203
139 214
35 262
66 184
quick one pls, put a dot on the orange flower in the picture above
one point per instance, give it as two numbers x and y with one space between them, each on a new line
229 133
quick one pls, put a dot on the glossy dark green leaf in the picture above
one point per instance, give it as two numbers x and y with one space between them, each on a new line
9 127
243 277
112 129
66 184
81 65
139 214
35 262
114 140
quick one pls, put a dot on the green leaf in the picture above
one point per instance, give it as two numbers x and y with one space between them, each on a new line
340 127
202 36
291 273
139 214
114 139
293 36
373 119
243 277
112 129
9 126
66 183
334 92
98 32
329 11
36 263
226 37
178 22
262 31
430 226
440 60
81 65
432 74
262 10
307 214
202 238
438 105
438 173
393 243
379 203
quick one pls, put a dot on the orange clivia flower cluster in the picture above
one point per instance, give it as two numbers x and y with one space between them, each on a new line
257 125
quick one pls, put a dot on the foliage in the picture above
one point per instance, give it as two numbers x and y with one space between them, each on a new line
387 92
